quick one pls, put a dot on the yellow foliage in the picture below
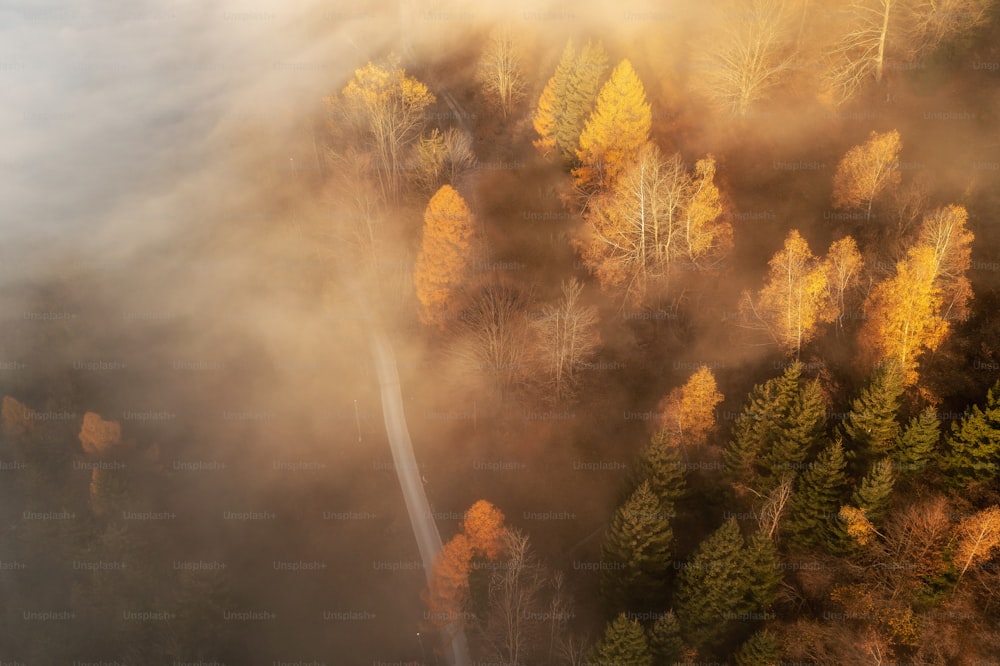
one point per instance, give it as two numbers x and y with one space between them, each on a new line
16 418
615 131
544 120
978 538
97 435
866 170
704 235
443 261
859 527
689 411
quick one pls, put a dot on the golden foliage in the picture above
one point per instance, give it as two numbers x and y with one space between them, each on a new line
866 170
842 265
16 418
448 591
689 411
443 261
97 435
484 526
615 131
859 528
978 538
944 230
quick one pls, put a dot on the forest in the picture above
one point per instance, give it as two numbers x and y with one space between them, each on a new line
694 310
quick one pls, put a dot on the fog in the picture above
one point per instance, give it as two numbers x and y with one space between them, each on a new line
170 259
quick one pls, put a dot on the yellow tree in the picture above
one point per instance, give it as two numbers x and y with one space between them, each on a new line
443 262
688 412
792 303
615 131
866 171
945 232
978 538
904 313
389 107
97 435
842 265
705 237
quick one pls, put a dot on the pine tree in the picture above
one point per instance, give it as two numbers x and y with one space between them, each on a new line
873 495
712 589
915 447
801 428
551 104
973 446
623 644
871 424
661 467
761 649
762 573
665 640
815 506
443 262
582 88
615 131
637 550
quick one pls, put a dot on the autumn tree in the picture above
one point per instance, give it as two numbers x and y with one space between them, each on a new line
978 539
618 127
792 303
15 418
97 435
747 54
637 552
389 107
945 232
843 265
972 448
688 412
443 262
623 644
904 313
484 527
656 218
500 71
866 171
441 158
568 100
565 337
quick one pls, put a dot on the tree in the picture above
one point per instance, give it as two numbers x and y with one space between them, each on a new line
914 448
761 649
389 106
441 157
712 588
875 491
763 574
500 71
15 418
484 527
972 449
945 232
905 313
747 56
866 171
496 328
791 305
978 538
615 131
659 465
623 644
813 520
842 265
688 412
871 424
665 639
568 99
773 507
637 550
448 589
443 262
565 336
97 435
655 216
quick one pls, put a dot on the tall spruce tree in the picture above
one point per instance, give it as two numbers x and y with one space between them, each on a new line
814 512
661 466
762 573
623 644
915 447
973 446
871 424
873 494
761 649
665 640
637 552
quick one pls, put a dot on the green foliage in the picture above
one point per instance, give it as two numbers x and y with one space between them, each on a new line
712 589
665 639
623 644
638 551
875 491
915 447
814 508
761 649
762 573
973 446
660 465
871 424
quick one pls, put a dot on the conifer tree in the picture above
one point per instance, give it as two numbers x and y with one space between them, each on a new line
551 104
815 506
665 640
762 573
761 649
712 588
444 261
661 467
871 424
873 495
800 429
973 446
615 131
638 550
623 644
915 447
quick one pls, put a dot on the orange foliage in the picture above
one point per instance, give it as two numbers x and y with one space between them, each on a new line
16 418
444 258
689 411
484 527
97 435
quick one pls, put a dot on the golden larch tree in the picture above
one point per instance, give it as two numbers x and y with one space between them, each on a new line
866 171
615 131
705 236
448 590
484 526
444 259
904 313
688 412
97 435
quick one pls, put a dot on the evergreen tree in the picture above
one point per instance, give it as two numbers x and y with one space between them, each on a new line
973 446
623 644
873 495
665 640
802 426
551 104
871 424
582 87
762 573
915 447
815 506
637 550
660 465
712 589
761 649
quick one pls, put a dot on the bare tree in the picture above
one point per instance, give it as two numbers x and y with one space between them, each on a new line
500 71
752 49
442 157
495 334
774 506
565 336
